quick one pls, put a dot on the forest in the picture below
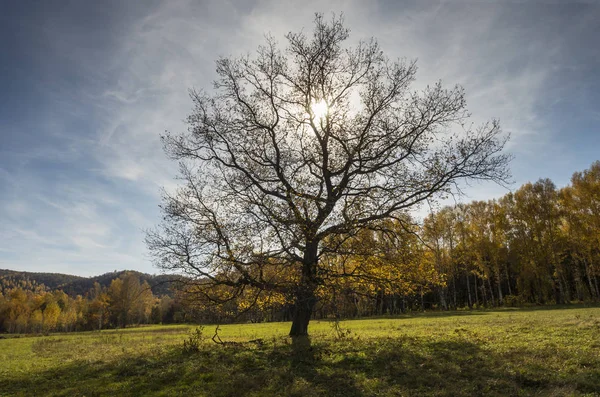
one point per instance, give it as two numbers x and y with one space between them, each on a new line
29 307
537 245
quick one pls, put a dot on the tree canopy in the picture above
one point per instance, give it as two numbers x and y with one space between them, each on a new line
298 150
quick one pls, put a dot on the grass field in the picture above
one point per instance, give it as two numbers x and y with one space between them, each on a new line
489 353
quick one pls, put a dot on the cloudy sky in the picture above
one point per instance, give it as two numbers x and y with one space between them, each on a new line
87 87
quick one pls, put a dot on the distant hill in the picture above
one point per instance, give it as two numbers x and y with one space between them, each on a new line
50 280
77 285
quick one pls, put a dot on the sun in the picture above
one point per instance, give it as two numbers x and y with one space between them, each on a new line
319 109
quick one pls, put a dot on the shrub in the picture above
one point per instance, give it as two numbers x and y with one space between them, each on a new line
194 340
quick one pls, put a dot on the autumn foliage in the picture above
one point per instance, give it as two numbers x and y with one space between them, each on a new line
26 306
537 245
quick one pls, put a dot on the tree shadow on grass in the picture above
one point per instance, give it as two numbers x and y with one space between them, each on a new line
345 367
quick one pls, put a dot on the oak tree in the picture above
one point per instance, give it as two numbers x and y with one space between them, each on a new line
297 147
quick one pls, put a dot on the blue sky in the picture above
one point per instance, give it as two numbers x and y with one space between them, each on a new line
87 87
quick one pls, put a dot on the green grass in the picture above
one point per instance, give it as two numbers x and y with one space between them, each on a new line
489 353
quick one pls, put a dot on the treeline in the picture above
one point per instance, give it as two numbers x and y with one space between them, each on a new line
26 306
538 245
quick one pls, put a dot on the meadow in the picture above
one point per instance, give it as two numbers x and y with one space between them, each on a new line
509 352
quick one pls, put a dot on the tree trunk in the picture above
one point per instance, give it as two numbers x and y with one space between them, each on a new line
454 290
557 293
469 292
491 292
303 308
578 282
356 305
566 289
442 295
542 292
476 292
305 295
484 293
589 278
500 296
507 278
556 286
